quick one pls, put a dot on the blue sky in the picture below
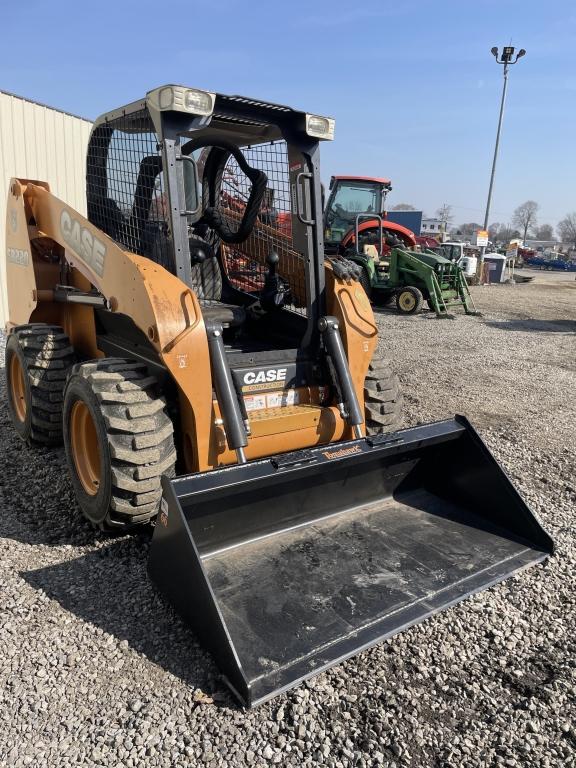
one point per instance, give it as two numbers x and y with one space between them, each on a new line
412 85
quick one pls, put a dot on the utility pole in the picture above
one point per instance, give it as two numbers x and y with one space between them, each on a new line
507 59
443 214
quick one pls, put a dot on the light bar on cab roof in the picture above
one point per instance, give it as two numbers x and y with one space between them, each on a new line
320 127
181 99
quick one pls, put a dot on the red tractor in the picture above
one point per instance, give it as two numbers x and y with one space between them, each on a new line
357 207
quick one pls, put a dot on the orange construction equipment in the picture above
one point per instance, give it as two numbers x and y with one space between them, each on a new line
247 416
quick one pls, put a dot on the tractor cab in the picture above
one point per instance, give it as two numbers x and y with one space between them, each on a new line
352 199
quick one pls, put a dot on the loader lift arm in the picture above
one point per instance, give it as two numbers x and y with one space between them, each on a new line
166 312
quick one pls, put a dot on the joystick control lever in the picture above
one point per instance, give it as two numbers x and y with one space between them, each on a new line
275 292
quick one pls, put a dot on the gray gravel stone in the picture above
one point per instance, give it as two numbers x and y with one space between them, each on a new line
96 670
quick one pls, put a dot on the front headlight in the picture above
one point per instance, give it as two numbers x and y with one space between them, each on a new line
181 99
320 127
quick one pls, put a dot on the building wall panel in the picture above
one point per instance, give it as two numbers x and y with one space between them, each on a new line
38 142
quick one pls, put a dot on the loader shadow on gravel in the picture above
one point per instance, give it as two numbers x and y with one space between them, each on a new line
43 512
108 585
110 589
37 504
390 309
534 326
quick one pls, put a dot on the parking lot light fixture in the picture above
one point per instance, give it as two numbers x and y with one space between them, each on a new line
508 57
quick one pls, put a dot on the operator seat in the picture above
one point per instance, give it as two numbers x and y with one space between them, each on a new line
207 285
150 228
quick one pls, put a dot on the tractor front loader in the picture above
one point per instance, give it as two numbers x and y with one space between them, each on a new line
209 371
412 277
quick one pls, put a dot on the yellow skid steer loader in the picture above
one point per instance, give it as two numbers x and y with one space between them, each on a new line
210 371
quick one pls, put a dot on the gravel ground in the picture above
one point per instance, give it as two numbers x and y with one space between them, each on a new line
97 671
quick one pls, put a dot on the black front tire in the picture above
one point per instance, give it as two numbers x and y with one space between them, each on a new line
382 398
41 356
135 446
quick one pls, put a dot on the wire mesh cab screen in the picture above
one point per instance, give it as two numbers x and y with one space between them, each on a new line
125 182
128 197
246 263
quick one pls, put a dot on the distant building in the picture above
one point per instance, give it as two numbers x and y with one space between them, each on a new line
543 245
410 219
433 228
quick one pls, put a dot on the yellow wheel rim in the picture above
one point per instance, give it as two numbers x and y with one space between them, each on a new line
407 301
18 388
84 444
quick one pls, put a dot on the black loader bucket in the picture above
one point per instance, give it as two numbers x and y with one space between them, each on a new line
288 565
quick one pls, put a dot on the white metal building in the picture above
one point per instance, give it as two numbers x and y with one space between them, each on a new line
39 142
433 227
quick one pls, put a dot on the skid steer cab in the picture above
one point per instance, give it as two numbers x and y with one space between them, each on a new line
207 369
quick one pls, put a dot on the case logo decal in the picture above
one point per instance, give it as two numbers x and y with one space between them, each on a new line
18 256
90 250
262 377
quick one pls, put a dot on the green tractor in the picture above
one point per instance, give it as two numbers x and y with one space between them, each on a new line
412 277
356 227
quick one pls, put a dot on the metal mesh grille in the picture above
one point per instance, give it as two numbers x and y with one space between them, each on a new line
245 264
126 197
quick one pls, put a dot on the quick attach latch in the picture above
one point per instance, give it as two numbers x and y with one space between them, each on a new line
383 439
292 459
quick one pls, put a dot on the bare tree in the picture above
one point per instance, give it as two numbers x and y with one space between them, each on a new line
525 216
445 214
494 230
567 229
507 233
468 229
544 232
403 207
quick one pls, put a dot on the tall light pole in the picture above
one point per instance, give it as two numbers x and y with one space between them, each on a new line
507 59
